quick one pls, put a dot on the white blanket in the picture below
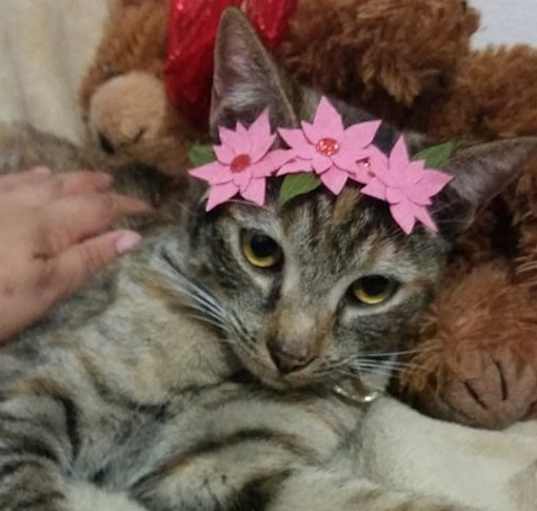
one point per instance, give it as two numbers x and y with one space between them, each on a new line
45 45
493 471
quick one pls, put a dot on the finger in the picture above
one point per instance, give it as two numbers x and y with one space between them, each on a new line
34 193
73 183
36 175
77 265
75 218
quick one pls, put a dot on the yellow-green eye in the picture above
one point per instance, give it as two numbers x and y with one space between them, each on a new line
373 289
261 251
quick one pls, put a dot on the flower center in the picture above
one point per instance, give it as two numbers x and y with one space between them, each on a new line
367 164
327 146
240 162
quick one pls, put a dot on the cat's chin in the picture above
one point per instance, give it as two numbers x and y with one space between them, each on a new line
255 371
359 388
362 389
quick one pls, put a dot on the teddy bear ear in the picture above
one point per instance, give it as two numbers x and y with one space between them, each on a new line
481 172
246 79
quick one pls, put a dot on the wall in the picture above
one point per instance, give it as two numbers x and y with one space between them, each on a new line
507 21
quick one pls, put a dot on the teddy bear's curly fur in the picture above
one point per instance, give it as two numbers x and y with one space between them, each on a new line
122 95
478 344
380 54
410 62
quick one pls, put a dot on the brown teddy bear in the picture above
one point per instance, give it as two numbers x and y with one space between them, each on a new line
123 97
476 355
475 358
481 332
382 54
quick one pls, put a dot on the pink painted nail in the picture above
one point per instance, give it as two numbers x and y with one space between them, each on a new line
127 242
42 171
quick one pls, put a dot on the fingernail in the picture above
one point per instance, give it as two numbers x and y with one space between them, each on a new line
43 171
127 242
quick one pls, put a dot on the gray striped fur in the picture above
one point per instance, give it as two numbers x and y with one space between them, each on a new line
153 389
132 397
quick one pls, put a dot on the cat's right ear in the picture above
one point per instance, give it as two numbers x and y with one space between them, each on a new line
246 78
480 173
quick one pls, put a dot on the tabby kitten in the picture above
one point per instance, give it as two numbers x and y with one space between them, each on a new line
199 374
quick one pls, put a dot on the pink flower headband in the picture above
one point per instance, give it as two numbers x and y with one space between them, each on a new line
324 152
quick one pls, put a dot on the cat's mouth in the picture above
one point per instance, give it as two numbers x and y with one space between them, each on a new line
354 389
351 390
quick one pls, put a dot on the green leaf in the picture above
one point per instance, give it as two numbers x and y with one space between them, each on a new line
437 156
201 154
297 184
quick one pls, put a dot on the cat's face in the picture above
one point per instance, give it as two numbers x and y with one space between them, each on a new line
324 288
320 289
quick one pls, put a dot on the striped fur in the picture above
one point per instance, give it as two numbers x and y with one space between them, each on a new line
155 389
152 409
133 395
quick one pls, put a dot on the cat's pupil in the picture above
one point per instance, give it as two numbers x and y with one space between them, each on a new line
263 246
375 285
260 250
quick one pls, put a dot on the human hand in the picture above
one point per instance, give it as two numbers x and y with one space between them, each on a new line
54 235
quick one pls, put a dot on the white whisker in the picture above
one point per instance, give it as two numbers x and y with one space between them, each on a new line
205 319
397 353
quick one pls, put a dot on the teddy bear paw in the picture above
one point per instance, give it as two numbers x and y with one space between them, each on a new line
489 390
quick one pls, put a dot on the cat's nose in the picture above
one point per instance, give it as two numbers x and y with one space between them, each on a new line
291 356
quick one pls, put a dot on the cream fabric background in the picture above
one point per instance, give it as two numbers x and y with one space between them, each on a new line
45 45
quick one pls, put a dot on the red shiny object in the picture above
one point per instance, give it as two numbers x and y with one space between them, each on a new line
192 29
327 146
240 162
271 18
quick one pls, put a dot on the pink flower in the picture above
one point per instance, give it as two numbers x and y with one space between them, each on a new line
407 186
242 164
328 149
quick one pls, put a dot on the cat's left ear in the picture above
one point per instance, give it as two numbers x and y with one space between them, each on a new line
246 78
480 173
